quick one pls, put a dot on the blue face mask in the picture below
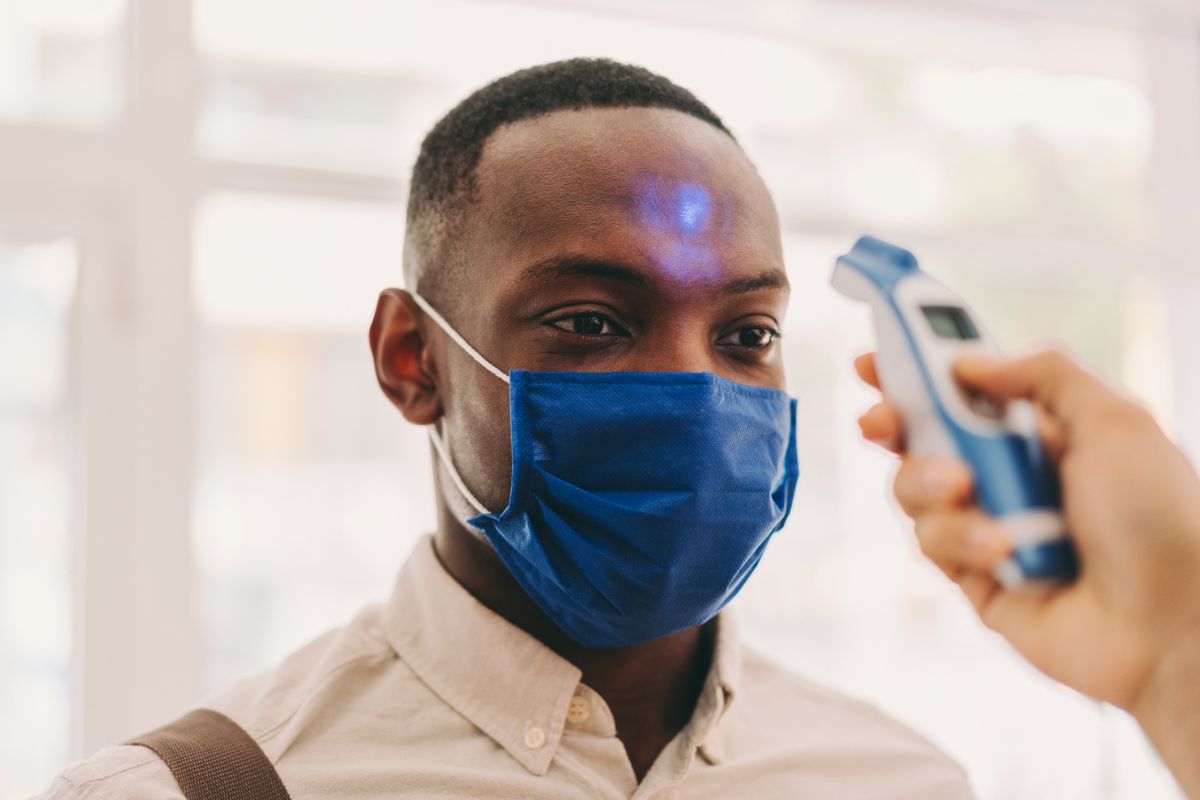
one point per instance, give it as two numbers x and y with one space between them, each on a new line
640 501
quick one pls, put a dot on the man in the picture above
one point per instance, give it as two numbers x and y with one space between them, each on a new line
596 290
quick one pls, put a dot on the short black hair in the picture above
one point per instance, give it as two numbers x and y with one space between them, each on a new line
443 178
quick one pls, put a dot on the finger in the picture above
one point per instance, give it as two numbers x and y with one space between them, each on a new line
864 365
882 425
961 541
931 484
980 589
1049 431
1020 615
1050 378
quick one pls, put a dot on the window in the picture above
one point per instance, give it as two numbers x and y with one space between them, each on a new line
38 456
219 418
61 62
310 489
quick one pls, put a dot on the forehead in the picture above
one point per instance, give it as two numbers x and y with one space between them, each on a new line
652 187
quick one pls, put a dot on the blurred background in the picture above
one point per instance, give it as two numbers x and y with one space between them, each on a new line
199 202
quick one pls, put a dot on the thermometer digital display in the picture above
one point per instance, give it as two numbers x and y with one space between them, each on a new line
921 327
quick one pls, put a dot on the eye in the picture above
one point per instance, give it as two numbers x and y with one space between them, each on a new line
753 337
587 323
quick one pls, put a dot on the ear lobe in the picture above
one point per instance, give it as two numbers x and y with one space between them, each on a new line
401 358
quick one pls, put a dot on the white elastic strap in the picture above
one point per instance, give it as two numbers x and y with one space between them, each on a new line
460 341
444 457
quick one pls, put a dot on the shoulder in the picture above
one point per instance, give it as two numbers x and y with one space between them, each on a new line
272 707
124 771
334 663
770 688
779 708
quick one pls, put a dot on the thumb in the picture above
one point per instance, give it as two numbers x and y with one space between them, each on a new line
1050 378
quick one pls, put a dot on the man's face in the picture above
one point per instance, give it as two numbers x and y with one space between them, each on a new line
608 240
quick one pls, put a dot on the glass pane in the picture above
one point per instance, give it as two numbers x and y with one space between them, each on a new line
918 136
61 61
937 145
355 85
37 507
310 488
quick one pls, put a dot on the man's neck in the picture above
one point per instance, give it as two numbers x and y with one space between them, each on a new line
651 688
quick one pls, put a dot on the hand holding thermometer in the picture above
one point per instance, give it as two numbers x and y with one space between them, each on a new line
921 328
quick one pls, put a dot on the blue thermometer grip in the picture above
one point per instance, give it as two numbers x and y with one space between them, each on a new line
1014 479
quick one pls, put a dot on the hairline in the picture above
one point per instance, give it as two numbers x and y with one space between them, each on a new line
425 259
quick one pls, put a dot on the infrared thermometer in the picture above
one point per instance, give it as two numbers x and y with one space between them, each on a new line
921 327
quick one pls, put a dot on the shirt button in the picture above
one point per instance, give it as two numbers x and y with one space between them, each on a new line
579 710
534 738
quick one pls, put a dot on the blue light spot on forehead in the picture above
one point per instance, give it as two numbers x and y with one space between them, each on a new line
684 212
683 209
692 207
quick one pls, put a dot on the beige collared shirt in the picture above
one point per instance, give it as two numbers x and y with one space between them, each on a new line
433 695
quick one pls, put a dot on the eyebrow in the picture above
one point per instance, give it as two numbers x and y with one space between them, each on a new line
585 267
771 279
575 266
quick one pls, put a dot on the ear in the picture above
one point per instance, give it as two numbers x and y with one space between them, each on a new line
403 361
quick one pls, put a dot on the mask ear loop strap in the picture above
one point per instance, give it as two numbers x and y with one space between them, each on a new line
460 341
436 439
434 436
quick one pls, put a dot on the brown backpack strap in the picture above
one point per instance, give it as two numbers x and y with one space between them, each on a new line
212 758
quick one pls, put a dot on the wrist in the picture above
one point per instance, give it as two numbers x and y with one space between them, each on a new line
1168 709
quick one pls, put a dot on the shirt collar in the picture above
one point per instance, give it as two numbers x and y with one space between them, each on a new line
504 681
719 689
